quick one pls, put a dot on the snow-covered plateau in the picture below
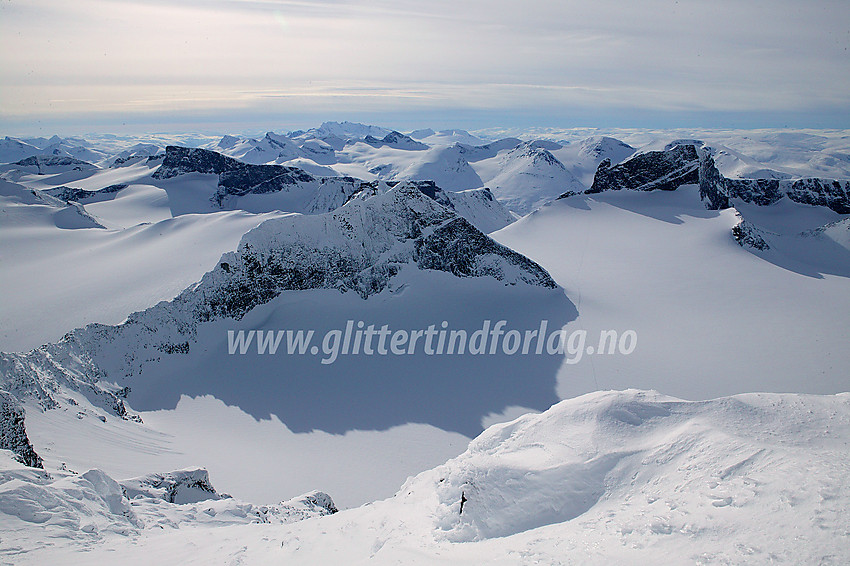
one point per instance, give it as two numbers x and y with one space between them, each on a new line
135 429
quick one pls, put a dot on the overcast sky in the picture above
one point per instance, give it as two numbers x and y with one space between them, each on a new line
105 65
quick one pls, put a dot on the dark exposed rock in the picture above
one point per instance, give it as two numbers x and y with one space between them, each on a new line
682 163
749 236
434 238
653 170
43 161
181 160
821 192
73 194
718 190
397 140
13 433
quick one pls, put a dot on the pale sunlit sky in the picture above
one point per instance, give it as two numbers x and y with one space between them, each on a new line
88 65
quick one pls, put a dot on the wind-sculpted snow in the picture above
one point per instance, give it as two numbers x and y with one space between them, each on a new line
40 510
180 486
625 477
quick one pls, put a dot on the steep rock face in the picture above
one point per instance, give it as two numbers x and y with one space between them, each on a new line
13 433
654 170
182 160
683 163
717 190
830 193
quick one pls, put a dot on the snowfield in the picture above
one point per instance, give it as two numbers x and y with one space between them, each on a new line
609 477
721 437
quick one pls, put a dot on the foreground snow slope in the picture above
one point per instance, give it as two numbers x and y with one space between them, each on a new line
626 477
66 509
711 318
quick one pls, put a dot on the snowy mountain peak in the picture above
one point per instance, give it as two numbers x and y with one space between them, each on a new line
351 130
605 147
396 140
538 155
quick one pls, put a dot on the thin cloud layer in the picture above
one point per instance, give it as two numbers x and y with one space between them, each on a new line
158 59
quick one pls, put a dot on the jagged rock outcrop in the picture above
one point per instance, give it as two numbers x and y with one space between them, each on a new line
830 193
718 190
396 140
747 235
43 164
73 194
13 433
182 160
684 162
654 170
333 251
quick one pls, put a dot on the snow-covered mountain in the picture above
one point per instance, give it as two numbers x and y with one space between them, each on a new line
526 177
12 149
153 297
445 165
395 140
361 247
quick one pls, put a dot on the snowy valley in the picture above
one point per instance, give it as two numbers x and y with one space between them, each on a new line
136 430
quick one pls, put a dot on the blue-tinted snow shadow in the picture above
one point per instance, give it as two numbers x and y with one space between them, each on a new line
361 392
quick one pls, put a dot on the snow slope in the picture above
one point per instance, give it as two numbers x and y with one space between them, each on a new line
712 318
612 477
